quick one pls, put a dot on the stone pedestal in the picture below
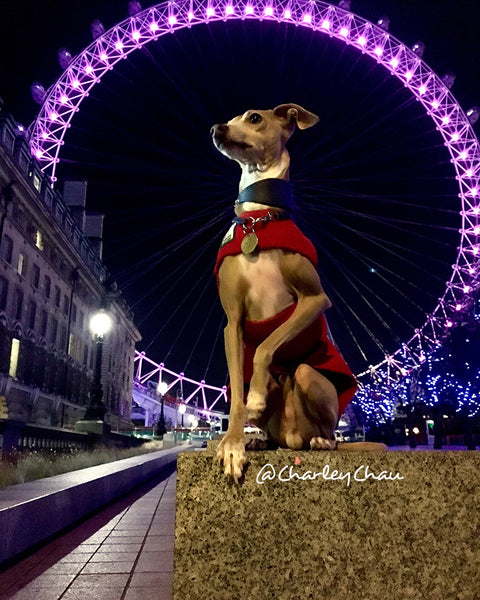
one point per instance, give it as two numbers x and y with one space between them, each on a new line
329 526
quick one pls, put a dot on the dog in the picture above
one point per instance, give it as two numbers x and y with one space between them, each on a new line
276 339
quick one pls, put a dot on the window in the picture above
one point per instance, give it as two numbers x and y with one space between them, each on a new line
47 286
39 239
53 331
57 296
35 277
7 249
66 304
18 304
63 337
80 321
74 312
37 182
43 323
3 293
21 264
32 313
14 352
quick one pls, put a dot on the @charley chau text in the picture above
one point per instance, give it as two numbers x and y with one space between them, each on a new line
290 473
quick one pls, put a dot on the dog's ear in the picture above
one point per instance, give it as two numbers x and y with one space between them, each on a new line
294 113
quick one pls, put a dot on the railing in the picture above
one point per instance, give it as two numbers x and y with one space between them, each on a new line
18 438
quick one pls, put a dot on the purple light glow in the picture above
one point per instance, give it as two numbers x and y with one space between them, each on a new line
103 57
75 83
422 89
38 153
458 307
63 99
136 35
307 18
119 46
210 12
88 69
172 20
268 11
476 210
287 14
449 324
190 15
249 9
229 10
155 27
326 25
394 63
378 51
362 41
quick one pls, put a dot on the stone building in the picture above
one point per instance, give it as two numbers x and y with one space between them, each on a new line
51 281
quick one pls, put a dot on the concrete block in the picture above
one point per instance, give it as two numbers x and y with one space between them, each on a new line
319 525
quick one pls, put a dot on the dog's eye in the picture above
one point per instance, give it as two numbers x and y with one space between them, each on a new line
255 118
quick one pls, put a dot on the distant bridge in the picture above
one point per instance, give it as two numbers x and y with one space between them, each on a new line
152 380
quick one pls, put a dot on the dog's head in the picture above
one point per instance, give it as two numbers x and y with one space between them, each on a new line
258 137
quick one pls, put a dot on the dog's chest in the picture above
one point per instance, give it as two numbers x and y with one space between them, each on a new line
266 289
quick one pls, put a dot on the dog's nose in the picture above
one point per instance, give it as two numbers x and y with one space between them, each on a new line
218 128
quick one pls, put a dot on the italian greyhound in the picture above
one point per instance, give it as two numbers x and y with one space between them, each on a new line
277 287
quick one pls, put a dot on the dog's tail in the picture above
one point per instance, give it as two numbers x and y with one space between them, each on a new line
361 447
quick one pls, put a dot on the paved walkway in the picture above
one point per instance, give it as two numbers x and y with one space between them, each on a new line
124 552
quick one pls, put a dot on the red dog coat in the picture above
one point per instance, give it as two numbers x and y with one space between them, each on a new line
312 345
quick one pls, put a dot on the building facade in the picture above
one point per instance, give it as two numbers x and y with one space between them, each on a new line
52 280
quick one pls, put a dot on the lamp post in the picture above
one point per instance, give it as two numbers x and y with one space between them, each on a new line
182 409
162 390
92 421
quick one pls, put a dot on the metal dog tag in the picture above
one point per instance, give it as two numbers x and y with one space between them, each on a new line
249 243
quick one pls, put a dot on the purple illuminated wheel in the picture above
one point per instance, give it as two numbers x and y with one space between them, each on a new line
65 96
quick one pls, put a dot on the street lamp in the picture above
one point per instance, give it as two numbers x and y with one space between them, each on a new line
92 421
162 388
182 409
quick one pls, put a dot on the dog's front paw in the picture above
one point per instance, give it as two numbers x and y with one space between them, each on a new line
256 404
319 443
231 452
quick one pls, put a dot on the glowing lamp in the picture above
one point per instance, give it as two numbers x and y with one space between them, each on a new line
154 26
422 89
449 324
182 409
210 11
63 99
38 153
344 32
76 83
118 46
408 75
378 51
326 25
89 69
268 12
103 56
307 18
229 10
249 9
136 35
394 63
435 104
445 120
100 323
162 387
172 20
287 14
458 307
362 40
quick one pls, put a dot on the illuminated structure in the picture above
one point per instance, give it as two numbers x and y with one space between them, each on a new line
51 280
82 72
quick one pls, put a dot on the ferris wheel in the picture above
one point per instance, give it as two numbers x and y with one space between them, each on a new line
62 101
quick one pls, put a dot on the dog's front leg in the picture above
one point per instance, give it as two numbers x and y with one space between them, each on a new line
231 450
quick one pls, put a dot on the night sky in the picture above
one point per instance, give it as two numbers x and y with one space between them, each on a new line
374 185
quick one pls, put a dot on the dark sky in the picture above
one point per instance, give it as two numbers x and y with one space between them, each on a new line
373 182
